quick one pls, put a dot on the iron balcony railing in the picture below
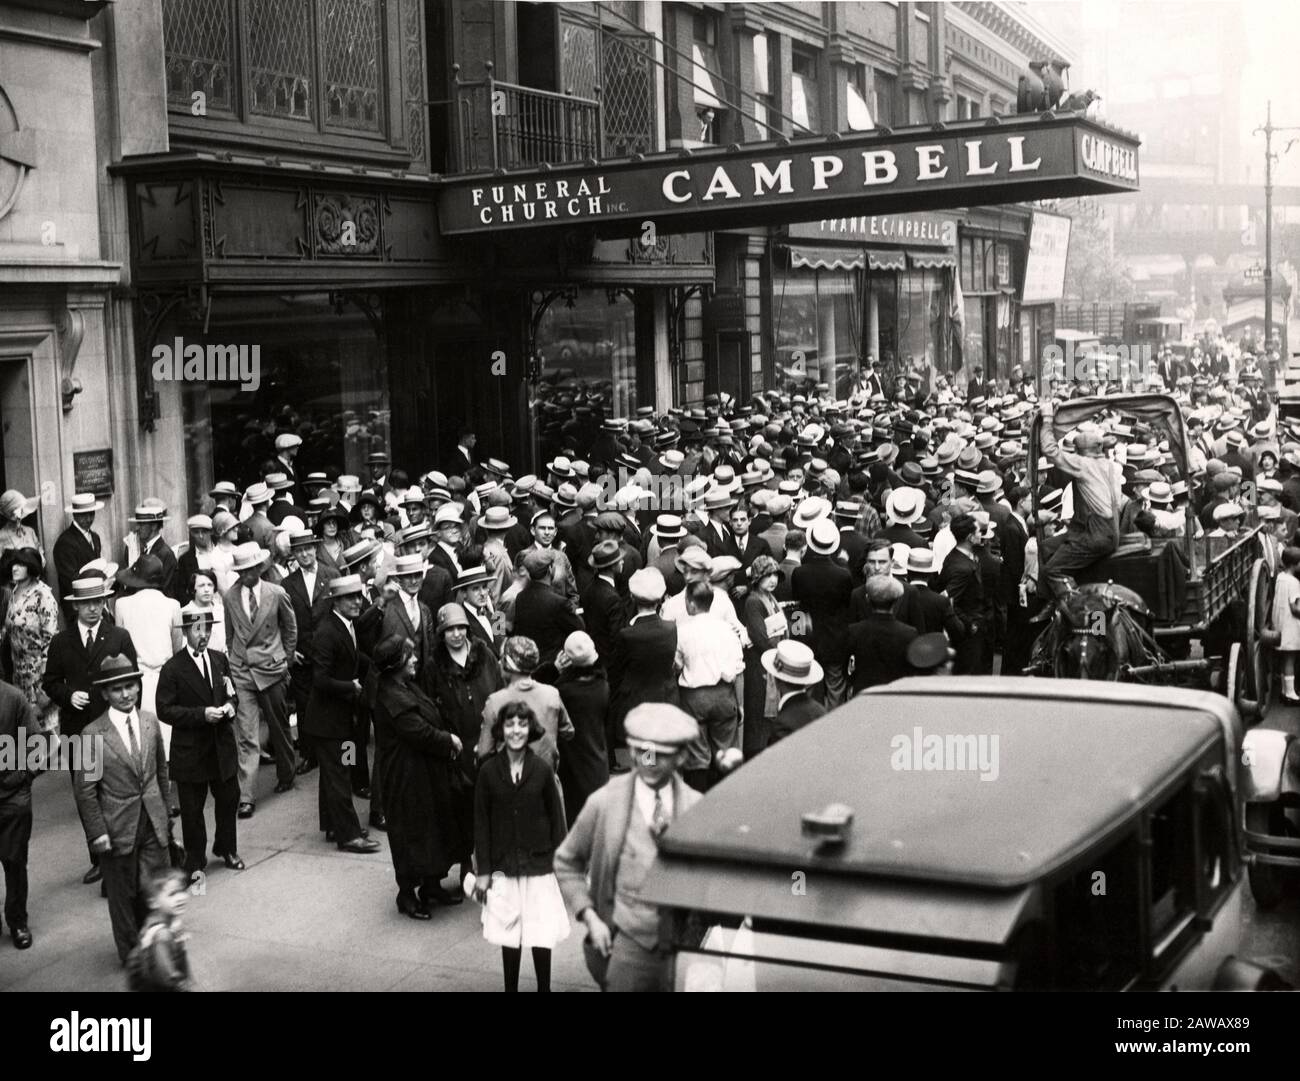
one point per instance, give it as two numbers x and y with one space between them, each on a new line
505 126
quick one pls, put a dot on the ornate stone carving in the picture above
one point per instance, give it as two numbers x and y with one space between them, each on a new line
72 328
335 213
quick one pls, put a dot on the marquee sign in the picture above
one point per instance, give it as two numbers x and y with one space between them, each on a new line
969 163
890 230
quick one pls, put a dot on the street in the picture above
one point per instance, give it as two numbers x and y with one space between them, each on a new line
305 917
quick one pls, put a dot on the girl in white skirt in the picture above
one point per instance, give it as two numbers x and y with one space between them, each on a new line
518 825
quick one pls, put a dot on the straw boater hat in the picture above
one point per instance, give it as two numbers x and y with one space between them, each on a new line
409 566
345 585
792 662
823 537
472 576
257 493
348 483
904 506
278 482
143 513
668 527
359 552
224 488
84 503
89 589
302 538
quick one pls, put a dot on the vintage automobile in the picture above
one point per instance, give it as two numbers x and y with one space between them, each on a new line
971 833
1270 809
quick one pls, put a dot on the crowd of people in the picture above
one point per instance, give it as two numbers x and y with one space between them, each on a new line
555 664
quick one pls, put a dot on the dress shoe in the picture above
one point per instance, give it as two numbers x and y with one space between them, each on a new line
329 834
284 786
362 845
232 860
246 809
304 766
92 876
410 906
362 793
442 897
22 937
379 822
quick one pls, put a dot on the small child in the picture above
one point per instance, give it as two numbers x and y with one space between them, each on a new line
1286 620
159 962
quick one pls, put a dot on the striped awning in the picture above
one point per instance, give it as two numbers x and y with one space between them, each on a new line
827 258
886 260
930 260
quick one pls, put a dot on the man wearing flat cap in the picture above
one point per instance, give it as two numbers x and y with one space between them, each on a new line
604 860
287 446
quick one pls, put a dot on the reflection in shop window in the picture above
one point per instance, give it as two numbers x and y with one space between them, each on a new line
922 322
586 350
324 377
818 314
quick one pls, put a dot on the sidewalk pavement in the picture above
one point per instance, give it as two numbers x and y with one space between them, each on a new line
302 917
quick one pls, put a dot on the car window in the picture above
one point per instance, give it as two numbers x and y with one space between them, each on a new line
1097 919
1172 867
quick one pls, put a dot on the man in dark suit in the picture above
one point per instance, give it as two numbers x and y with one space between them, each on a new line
308 589
1013 535
853 543
336 686
148 521
611 525
821 587
920 606
878 644
365 559
796 672
449 531
474 594
644 652
962 579
18 721
282 505
747 539
603 610
718 538
542 614
187 563
194 697
77 545
123 798
74 653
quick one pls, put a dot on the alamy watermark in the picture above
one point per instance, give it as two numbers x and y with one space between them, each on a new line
948 753
39 752
190 362
1126 364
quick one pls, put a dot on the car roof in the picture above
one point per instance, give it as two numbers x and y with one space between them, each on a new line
1075 760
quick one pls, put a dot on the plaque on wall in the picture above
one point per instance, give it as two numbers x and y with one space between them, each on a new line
92 471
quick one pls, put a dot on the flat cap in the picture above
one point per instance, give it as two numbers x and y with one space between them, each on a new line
660 725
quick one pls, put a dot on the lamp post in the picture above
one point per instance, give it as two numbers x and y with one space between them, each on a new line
1269 157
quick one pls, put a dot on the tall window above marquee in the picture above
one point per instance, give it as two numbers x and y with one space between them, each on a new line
315 63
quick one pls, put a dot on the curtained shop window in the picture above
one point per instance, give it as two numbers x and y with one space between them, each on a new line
817 313
922 321
320 374
972 342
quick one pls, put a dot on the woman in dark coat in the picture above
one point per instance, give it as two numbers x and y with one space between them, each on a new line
415 757
765 623
464 673
584 690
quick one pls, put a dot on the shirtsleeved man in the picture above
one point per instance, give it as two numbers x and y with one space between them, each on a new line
1093 532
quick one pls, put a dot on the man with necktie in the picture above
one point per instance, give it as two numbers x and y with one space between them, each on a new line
123 802
261 633
336 687
604 860
195 698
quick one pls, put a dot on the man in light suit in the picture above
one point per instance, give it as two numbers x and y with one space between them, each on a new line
74 654
77 545
124 808
261 635
609 850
